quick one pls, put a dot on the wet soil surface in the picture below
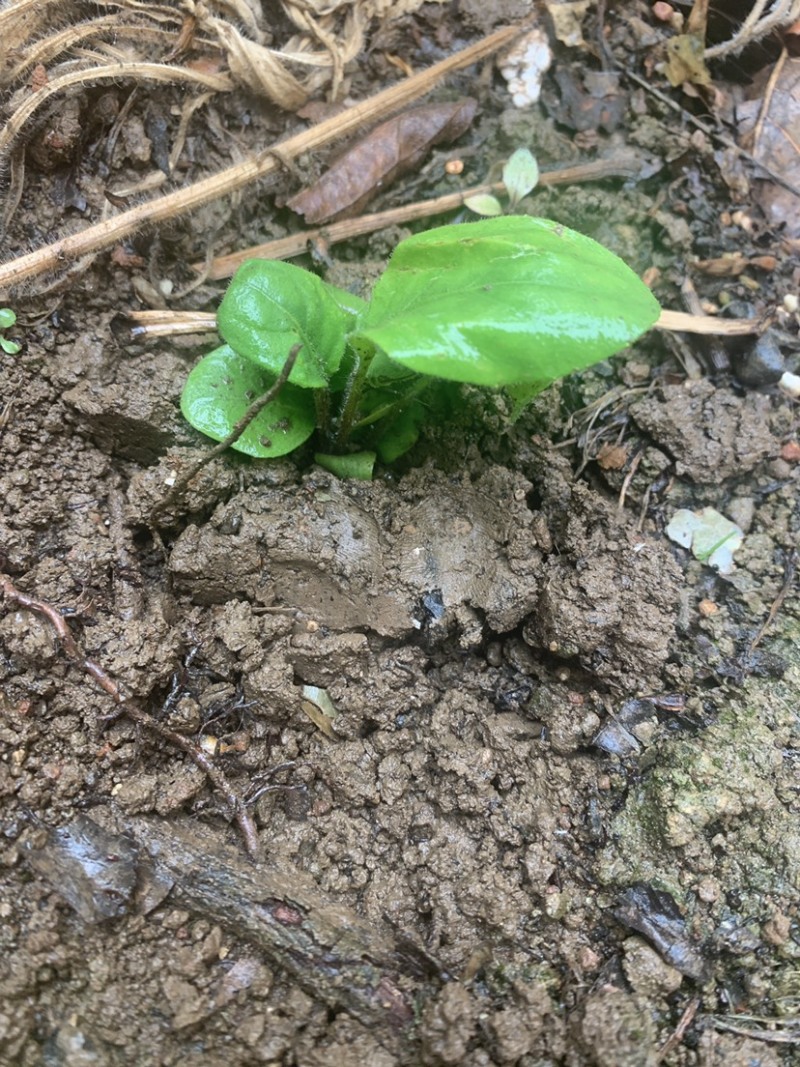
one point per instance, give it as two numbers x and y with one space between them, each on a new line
546 807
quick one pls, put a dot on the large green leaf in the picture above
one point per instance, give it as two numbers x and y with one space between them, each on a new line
505 301
222 387
271 305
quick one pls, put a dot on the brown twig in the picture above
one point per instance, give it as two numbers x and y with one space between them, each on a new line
626 484
133 711
64 251
769 92
623 165
684 322
257 406
679 1032
788 579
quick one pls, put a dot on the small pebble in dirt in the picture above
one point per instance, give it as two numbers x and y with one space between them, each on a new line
761 363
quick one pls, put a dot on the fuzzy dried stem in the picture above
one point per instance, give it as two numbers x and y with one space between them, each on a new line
756 26
159 72
167 323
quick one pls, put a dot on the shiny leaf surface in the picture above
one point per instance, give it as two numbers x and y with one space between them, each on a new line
505 301
222 387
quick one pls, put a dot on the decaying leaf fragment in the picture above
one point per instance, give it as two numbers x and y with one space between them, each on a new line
685 61
772 136
391 149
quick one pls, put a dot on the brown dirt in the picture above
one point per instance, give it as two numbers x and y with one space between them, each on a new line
558 804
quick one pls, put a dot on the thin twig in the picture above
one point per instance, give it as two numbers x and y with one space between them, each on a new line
788 579
769 92
774 1037
628 479
622 165
679 1032
158 323
684 322
133 711
255 408
756 26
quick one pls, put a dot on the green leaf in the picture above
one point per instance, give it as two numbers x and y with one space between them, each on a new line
355 465
7 318
271 305
401 434
484 204
521 394
222 387
505 301
520 175
352 305
9 347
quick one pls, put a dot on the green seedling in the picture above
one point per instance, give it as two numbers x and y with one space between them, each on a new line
520 177
514 302
7 320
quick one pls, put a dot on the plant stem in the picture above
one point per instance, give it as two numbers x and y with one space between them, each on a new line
352 394
255 408
322 406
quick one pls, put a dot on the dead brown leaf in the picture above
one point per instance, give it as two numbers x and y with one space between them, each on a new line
257 68
391 149
733 264
772 124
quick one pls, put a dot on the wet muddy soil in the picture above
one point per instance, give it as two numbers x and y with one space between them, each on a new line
523 770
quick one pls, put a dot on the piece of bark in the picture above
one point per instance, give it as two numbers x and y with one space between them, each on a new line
390 150
333 954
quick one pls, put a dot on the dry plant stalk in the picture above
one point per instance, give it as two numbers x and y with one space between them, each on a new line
757 25
104 234
153 324
158 72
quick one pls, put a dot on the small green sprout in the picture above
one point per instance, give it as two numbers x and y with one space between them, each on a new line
520 177
514 302
7 320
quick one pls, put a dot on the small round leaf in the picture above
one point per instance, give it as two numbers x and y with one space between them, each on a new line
222 387
484 204
270 306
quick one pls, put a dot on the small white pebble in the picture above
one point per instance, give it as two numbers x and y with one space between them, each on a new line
791 303
790 383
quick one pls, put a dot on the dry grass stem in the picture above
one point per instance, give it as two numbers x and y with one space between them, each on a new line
159 323
625 165
757 25
684 322
157 72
